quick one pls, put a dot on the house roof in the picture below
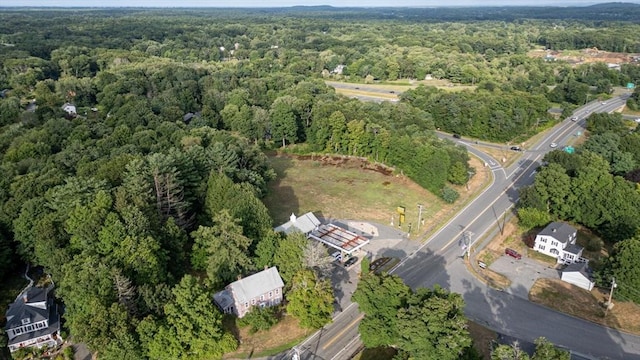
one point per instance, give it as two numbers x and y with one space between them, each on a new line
560 231
574 249
223 298
54 326
255 285
581 268
304 224
31 304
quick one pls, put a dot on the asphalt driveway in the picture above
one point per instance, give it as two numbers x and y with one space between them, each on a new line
523 273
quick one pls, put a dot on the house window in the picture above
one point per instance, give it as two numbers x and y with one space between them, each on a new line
262 297
29 328
541 247
25 321
277 291
554 243
253 301
246 305
544 240
270 294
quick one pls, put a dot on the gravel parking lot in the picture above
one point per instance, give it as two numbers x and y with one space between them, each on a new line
523 273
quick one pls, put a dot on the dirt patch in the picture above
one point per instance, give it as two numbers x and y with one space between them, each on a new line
482 338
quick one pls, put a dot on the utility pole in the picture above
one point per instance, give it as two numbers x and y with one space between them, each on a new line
609 303
419 217
467 238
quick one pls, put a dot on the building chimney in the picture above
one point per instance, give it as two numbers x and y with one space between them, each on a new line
292 218
239 277
554 230
266 267
25 298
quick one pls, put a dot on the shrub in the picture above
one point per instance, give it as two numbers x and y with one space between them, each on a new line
449 195
259 319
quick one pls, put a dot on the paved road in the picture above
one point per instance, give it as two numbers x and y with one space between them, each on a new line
439 262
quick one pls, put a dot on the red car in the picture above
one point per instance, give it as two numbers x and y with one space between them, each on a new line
513 253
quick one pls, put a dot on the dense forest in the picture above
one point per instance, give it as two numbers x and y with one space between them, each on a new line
147 197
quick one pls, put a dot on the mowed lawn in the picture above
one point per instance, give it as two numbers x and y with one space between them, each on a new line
341 188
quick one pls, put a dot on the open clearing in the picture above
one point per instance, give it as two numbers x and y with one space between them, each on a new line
337 187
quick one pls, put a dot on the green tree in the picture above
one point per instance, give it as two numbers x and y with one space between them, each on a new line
284 125
221 250
310 299
433 325
545 350
623 265
532 217
289 256
193 327
380 297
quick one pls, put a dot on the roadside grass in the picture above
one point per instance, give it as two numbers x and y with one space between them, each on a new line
282 336
378 353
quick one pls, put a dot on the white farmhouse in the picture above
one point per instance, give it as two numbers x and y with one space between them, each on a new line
558 240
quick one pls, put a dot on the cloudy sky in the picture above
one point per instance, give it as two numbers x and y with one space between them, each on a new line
283 3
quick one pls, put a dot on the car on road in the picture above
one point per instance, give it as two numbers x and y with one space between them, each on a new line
604 103
350 261
516 148
514 254
457 136
553 145
575 118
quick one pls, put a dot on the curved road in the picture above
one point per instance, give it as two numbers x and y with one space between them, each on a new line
438 261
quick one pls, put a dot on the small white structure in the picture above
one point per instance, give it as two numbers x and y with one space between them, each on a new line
69 109
578 274
262 289
558 240
304 224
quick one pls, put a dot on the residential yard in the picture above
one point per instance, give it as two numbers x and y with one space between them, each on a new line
282 336
556 294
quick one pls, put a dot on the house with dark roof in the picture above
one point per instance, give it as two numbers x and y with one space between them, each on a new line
305 224
262 289
578 274
558 240
33 320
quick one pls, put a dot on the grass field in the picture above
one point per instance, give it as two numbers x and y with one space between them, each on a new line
341 188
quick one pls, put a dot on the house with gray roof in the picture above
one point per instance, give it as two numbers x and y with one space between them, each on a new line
33 320
305 224
578 274
558 240
262 289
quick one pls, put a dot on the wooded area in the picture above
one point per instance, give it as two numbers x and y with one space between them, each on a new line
146 197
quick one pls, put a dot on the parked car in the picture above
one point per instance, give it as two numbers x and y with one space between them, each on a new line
457 136
350 261
513 253
516 148
337 256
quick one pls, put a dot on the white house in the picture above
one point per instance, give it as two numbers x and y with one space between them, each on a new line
305 224
579 275
262 289
558 240
33 320
70 109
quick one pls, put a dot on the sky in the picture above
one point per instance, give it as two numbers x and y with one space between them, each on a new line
286 3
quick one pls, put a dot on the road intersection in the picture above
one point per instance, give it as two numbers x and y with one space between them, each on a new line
438 261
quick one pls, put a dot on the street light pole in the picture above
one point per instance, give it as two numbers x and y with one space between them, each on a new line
419 216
